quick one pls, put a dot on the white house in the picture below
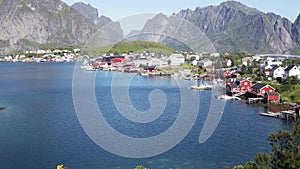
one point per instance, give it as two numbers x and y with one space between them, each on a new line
176 59
257 58
277 72
247 60
291 70
205 63
195 62
189 56
228 62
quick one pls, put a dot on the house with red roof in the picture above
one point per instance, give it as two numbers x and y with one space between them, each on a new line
272 96
260 89
244 85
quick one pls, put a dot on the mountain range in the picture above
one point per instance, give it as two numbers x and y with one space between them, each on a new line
233 27
228 27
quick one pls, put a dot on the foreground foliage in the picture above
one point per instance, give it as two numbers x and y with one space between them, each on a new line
285 152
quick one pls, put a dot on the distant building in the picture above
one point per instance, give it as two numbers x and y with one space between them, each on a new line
205 63
291 70
244 84
247 60
177 59
260 89
277 72
272 97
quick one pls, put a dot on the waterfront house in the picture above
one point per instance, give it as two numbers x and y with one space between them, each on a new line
244 84
232 88
291 70
277 72
272 97
260 89
150 70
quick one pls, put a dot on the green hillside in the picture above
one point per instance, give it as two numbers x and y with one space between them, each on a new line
140 46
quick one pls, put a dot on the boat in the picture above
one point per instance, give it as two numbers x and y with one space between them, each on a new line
270 114
226 97
201 87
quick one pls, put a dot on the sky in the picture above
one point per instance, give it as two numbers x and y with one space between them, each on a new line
118 9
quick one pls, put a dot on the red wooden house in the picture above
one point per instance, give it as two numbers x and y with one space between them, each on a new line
260 89
150 69
232 88
244 85
272 96
117 60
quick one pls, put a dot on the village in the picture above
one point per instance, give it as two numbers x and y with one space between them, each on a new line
191 66
236 86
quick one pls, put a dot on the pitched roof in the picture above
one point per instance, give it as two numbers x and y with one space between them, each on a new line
233 85
274 68
290 67
258 86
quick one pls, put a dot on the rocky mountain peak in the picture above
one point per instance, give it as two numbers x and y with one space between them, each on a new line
87 10
25 23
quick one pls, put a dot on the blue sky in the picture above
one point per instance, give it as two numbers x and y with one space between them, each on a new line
118 9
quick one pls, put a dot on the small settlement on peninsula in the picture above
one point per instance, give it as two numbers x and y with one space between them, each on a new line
246 77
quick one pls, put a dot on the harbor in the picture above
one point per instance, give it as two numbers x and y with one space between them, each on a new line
288 115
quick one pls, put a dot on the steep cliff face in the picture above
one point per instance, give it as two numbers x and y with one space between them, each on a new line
234 27
296 30
28 22
111 30
87 10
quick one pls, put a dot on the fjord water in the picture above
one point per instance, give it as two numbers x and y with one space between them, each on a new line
40 129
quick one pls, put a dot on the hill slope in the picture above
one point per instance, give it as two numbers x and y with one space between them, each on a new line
231 27
27 22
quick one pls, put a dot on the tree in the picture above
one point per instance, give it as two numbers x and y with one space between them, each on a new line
285 152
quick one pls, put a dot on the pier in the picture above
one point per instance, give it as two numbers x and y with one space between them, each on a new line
289 115
254 100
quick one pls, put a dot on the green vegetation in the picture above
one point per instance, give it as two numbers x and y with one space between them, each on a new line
289 88
295 51
137 46
291 62
236 58
140 167
285 152
184 66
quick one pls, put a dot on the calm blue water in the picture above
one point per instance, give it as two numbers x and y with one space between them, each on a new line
40 128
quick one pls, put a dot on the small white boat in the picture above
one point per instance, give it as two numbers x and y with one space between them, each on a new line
270 114
201 87
89 68
226 97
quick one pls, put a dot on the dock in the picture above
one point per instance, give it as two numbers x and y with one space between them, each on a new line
289 115
254 100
